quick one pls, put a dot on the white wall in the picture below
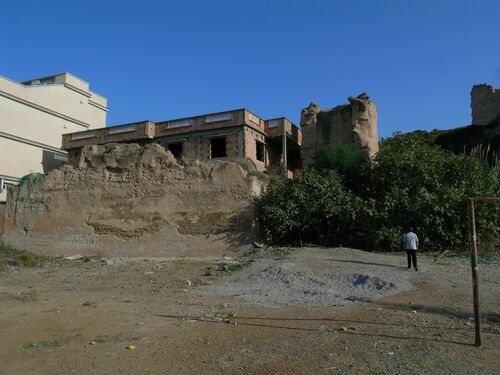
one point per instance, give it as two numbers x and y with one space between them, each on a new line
40 115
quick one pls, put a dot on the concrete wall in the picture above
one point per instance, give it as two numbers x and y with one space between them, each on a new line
34 116
485 104
29 159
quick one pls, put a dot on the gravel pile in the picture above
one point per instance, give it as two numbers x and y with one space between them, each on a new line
312 282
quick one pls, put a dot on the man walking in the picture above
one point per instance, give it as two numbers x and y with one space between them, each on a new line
410 244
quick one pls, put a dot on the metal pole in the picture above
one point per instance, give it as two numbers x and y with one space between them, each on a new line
475 276
285 161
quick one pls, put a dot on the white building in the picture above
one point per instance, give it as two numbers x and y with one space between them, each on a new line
33 116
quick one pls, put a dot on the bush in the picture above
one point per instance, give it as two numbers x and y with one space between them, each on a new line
13 257
345 159
418 185
315 207
410 183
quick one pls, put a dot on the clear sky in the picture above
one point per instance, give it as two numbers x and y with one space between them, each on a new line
158 60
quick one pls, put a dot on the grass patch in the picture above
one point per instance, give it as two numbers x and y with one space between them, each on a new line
233 267
101 339
227 267
484 256
10 256
43 344
50 343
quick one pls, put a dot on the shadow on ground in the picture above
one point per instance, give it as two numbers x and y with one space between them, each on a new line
240 321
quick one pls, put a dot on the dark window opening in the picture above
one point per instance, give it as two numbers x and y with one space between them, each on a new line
175 149
218 147
259 146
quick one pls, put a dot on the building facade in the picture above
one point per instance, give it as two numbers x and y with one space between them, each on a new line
33 116
223 135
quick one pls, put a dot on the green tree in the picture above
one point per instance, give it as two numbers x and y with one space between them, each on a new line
420 185
315 207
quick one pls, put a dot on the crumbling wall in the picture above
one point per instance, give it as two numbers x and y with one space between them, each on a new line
133 200
485 103
355 122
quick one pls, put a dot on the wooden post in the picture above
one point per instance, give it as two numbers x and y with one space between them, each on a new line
475 276
285 161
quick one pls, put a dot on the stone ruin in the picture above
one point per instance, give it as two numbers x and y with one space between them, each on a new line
484 132
485 103
354 123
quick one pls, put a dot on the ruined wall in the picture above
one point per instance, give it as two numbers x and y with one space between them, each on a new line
132 200
355 122
485 103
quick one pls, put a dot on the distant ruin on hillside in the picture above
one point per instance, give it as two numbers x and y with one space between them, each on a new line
484 132
485 104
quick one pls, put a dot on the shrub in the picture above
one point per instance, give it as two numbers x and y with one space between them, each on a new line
315 207
345 159
420 185
410 183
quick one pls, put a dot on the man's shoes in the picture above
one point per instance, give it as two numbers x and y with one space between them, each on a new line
416 269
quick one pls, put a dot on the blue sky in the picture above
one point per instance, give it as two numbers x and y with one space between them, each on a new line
158 60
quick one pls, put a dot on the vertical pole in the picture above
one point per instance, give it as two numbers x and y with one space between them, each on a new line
285 161
475 276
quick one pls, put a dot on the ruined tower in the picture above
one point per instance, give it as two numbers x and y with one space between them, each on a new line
354 123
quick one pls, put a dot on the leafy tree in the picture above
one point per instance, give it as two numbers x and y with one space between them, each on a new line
419 185
345 159
410 183
315 207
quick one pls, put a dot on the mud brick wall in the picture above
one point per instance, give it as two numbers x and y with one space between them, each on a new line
133 200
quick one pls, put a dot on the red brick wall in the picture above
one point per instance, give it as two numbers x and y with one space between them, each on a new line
142 130
250 147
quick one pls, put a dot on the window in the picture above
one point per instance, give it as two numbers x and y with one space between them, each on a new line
218 147
259 147
175 149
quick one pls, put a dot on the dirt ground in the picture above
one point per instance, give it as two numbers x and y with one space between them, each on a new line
194 316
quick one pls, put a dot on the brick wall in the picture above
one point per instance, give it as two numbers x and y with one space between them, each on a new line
141 130
250 147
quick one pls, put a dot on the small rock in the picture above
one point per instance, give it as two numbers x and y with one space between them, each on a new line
107 262
74 257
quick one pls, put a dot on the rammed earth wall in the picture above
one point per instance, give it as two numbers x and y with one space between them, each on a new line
132 200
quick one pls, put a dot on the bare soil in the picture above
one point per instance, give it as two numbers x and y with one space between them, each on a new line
327 311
